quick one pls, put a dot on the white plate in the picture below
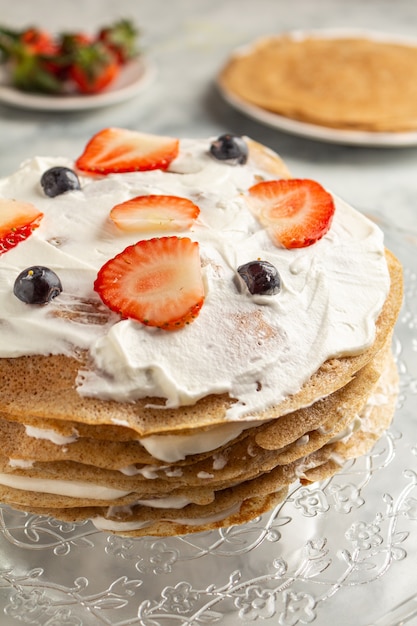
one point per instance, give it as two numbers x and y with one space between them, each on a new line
314 131
133 78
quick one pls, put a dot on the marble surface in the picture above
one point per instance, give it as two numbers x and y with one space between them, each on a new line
187 41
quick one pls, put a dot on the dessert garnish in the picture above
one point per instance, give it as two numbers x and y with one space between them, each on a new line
155 212
260 278
156 281
58 180
38 61
17 222
230 148
116 150
296 212
37 285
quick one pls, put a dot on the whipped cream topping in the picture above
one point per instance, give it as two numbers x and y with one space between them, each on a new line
257 350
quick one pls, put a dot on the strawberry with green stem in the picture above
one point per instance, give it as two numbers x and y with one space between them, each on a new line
30 55
93 67
121 38
38 62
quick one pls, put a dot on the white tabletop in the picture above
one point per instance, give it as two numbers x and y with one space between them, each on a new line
332 573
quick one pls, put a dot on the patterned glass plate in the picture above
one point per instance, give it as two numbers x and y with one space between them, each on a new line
343 551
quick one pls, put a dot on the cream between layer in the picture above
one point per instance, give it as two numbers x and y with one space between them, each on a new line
101 523
258 350
50 435
172 448
89 490
71 488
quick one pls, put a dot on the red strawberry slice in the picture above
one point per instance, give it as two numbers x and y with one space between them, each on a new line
114 150
156 281
153 212
17 222
296 212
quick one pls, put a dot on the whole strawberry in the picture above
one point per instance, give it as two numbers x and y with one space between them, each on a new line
68 62
121 38
30 56
38 41
93 67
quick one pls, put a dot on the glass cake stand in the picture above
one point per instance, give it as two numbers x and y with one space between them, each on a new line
342 551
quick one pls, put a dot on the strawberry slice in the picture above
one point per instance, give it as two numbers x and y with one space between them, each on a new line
153 212
17 221
296 212
156 281
114 150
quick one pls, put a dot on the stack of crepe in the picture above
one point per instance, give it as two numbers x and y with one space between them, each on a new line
137 470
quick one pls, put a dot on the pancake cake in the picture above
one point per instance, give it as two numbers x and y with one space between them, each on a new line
185 331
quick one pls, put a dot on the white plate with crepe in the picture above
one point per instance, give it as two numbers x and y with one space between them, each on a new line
308 129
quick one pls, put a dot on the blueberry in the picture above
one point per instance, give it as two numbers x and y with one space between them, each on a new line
231 148
37 285
58 180
260 278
